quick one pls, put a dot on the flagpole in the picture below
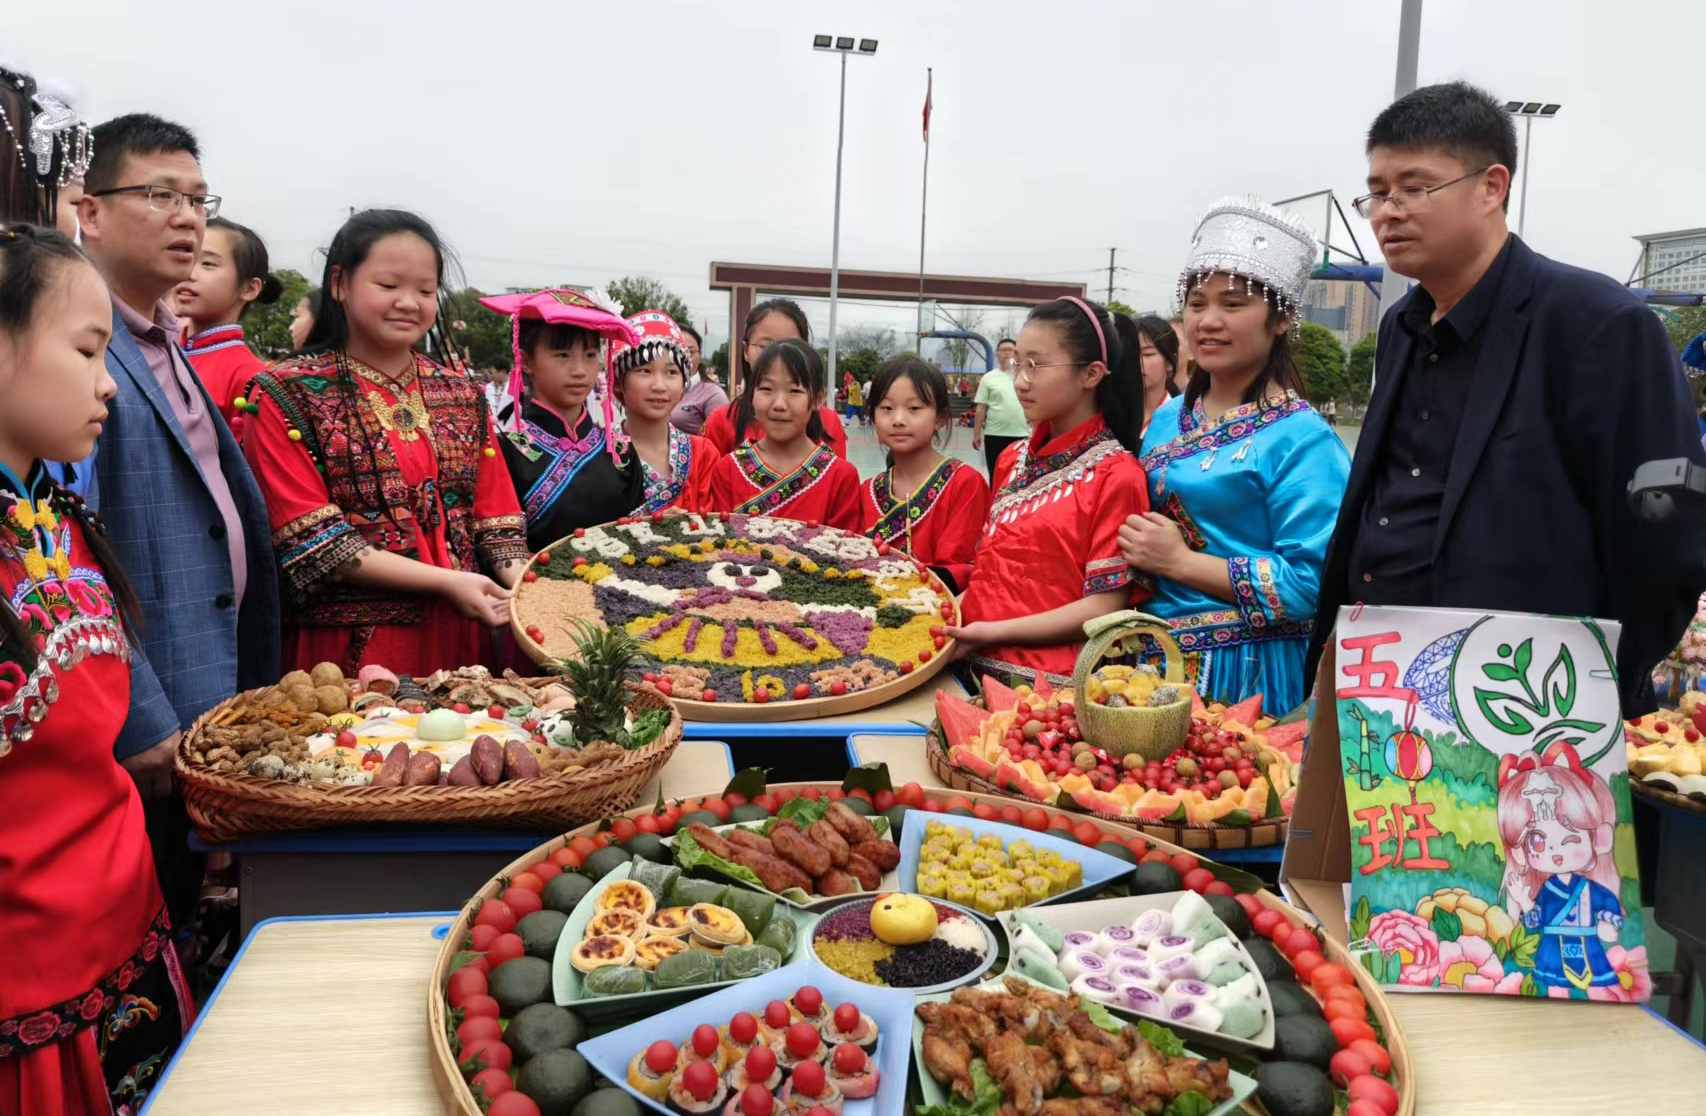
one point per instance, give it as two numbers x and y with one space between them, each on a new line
924 202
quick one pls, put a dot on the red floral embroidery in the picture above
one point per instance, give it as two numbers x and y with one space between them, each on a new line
151 947
127 976
38 1029
92 1004
67 1017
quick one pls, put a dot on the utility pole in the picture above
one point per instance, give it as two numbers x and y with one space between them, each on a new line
1111 252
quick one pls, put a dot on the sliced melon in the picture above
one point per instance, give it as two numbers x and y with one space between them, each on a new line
1246 712
998 697
960 719
971 761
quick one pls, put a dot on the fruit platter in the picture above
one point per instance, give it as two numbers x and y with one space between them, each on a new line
460 747
809 853
1230 785
1667 753
743 618
506 1044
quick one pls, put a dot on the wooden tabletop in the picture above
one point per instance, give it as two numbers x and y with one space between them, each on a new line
697 767
328 1016
903 754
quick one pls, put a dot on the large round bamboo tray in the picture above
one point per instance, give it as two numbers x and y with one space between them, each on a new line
732 712
1191 836
1692 803
231 807
460 1100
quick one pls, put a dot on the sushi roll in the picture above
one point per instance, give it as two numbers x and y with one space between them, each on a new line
1141 1000
1186 992
809 1088
653 1069
1185 966
739 1035
1114 937
1140 976
1075 963
1076 939
1173 945
757 1068
1128 955
808 1007
754 1100
706 1045
800 1045
698 1090
1152 925
1190 909
1100 989
775 1021
852 1072
1196 1013
847 1024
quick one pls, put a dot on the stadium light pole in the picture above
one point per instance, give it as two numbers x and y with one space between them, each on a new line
1529 111
844 46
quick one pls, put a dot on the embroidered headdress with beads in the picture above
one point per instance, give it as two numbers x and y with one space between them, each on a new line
1251 240
52 144
593 311
658 335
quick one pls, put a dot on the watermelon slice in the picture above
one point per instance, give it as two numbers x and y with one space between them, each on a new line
1288 739
971 761
998 697
1042 691
1246 712
1197 705
1010 778
960 719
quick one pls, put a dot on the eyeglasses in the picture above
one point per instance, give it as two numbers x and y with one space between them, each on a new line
164 199
1409 199
1028 369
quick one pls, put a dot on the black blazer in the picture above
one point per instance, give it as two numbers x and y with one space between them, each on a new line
1576 385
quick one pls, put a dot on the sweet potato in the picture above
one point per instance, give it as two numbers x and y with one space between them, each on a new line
488 760
462 774
423 770
519 763
396 765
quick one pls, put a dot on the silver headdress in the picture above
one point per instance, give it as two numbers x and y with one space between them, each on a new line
54 128
1258 242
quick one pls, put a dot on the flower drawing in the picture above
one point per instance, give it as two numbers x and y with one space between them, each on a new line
1414 942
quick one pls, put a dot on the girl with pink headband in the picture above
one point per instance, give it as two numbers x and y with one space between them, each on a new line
1049 560
569 471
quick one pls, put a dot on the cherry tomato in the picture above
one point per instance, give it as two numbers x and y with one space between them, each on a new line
983 811
1374 1091
1365 1107
1378 1059
1086 833
861 792
1343 1007
668 820
523 901
1011 815
584 845
604 840
1197 879
623 828
1153 856
1347 1065
479 1005
463 983
1267 923
784 795
1138 847
546 871
885 800
1329 976
957 802
1060 823
835 794
1341 992
567 859
527 881
1036 819
495 912
931 806
507 947
1219 887
478 1027
718 806
910 795
812 794
1347 1031
513 1104
491 1083
478 961
1307 962
735 799
1297 940
647 823
482 937
346 739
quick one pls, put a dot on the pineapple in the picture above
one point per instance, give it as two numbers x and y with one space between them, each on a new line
597 676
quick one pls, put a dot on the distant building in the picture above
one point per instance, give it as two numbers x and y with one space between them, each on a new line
1348 309
1672 261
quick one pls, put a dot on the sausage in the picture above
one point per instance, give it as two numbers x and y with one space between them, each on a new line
423 770
519 763
850 825
836 882
487 760
865 872
396 765
772 871
833 843
751 840
884 854
709 840
462 774
791 843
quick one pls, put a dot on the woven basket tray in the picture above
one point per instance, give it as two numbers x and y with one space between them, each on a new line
1152 733
230 807
1194 836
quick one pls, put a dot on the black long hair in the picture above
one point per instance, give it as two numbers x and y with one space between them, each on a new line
249 256
32 261
1161 334
928 380
1280 369
786 307
1119 397
804 367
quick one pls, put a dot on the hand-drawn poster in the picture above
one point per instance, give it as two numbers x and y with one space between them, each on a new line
1492 848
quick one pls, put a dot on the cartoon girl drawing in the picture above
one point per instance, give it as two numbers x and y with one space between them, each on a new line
1557 820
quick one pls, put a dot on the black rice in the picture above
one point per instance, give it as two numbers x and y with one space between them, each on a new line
931 962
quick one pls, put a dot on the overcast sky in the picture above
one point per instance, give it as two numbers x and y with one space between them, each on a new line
574 142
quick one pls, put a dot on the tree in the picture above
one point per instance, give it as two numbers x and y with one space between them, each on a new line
861 364
636 293
481 336
267 328
1684 324
1321 361
1117 307
877 339
1359 370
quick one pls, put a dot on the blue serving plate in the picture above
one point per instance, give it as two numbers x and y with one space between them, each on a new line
1100 868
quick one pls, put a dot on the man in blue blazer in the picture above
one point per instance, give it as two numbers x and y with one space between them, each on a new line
1514 399
180 506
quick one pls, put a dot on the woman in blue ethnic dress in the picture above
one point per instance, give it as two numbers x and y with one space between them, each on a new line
1245 479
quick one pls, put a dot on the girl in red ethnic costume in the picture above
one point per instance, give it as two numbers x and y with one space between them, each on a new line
1050 557
648 379
930 506
92 1001
776 319
396 527
230 276
789 471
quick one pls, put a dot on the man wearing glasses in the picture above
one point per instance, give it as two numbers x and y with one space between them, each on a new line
180 506
1514 399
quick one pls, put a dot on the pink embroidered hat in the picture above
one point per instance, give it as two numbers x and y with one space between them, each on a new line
655 334
592 311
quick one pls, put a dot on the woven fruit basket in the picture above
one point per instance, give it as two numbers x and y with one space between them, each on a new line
1153 732
231 806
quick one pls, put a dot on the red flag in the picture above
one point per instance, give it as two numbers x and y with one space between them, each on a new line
929 82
